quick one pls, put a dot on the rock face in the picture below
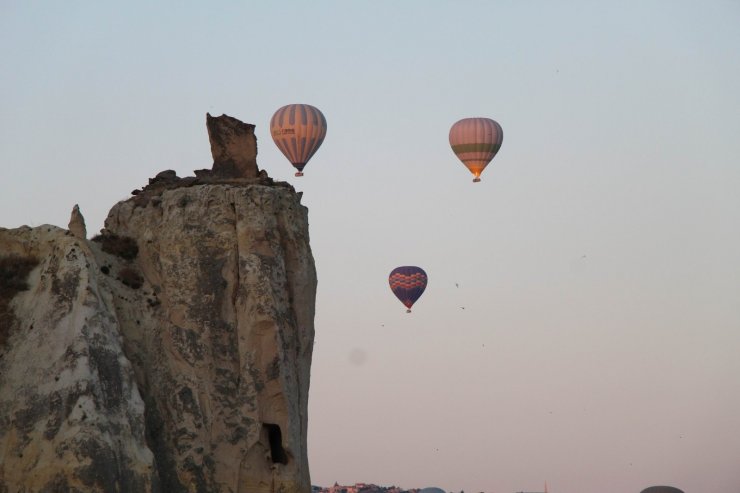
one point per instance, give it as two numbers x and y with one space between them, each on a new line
224 344
71 416
233 146
172 354
77 223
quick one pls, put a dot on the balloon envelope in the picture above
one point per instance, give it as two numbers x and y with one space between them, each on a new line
475 141
408 283
298 130
661 489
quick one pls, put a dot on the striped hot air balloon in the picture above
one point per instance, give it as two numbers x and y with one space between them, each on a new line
408 283
475 141
298 130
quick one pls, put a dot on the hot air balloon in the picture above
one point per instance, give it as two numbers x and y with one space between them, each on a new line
475 141
408 283
298 130
661 489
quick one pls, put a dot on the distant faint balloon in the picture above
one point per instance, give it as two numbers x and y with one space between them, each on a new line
298 130
661 489
475 141
408 283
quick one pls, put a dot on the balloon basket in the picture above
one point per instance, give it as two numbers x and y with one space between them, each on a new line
408 311
476 179
299 173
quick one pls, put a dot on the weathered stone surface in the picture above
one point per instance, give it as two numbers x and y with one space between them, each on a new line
77 223
71 417
172 353
223 350
233 146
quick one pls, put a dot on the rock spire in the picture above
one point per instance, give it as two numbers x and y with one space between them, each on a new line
77 223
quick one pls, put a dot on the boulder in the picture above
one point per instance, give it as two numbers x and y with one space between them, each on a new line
233 146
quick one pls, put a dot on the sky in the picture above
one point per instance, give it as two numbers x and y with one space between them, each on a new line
581 325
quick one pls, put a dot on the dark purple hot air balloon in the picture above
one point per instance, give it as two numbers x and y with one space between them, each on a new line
408 283
661 489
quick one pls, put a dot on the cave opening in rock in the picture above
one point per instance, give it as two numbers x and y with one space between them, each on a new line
275 437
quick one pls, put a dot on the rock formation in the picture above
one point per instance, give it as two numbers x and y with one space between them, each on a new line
71 417
172 353
233 146
77 223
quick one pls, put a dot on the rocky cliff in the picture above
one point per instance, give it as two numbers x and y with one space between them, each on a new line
171 353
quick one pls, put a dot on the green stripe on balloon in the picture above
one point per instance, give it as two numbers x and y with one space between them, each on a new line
483 147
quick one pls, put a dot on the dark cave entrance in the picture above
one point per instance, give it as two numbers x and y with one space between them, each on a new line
275 437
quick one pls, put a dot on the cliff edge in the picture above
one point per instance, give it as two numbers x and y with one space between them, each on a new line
172 352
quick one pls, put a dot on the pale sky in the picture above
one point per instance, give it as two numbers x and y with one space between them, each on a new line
598 261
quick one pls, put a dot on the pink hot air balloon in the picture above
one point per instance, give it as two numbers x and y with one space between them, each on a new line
298 130
475 141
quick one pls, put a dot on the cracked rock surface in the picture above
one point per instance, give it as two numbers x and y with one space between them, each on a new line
71 415
223 348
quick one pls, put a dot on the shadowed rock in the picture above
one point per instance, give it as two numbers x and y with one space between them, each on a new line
233 146
77 224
